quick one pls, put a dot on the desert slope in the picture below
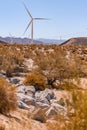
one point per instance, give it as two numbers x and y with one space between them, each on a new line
45 79
76 41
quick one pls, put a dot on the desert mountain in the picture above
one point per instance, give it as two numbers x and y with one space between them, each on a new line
76 41
51 41
18 40
28 41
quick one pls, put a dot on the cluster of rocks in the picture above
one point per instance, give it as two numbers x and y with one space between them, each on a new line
39 103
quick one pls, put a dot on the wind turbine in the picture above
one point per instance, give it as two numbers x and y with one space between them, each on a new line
31 23
11 38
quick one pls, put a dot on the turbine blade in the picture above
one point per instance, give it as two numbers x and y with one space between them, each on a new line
27 10
41 19
27 27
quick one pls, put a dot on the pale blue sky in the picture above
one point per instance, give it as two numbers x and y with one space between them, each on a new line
68 18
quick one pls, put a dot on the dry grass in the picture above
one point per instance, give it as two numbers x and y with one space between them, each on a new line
37 80
53 65
50 59
78 119
2 127
7 97
13 55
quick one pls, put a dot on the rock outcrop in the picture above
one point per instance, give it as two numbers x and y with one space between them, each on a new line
41 104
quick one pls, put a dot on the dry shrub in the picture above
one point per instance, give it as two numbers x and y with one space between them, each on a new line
37 80
75 120
7 97
10 58
67 85
2 127
79 104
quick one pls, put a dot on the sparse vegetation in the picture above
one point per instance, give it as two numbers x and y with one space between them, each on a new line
54 63
37 80
55 66
79 104
10 59
77 120
7 97
2 127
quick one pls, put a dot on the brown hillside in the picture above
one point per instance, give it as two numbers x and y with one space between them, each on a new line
76 41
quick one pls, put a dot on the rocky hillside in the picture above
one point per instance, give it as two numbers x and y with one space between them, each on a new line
76 41
40 87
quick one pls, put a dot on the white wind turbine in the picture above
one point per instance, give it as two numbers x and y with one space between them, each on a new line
11 38
31 23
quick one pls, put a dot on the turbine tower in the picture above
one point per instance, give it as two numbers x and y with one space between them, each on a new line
31 23
11 38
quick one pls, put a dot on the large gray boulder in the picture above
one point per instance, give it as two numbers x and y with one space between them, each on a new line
30 90
21 89
49 94
22 105
26 90
42 105
44 96
46 102
58 107
26 99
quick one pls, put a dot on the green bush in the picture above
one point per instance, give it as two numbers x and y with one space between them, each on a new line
7 97
37 80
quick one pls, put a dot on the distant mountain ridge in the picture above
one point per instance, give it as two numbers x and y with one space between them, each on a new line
18 40
51 41
76 41
28 41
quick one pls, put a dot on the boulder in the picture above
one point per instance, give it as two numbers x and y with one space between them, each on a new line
22 105
29 89
26 90
44 96
41 105
14 80
42 100
29 100
53 101
21 89
26 99
58 107
49 94
45 101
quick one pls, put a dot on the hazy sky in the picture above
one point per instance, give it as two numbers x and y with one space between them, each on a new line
68 18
